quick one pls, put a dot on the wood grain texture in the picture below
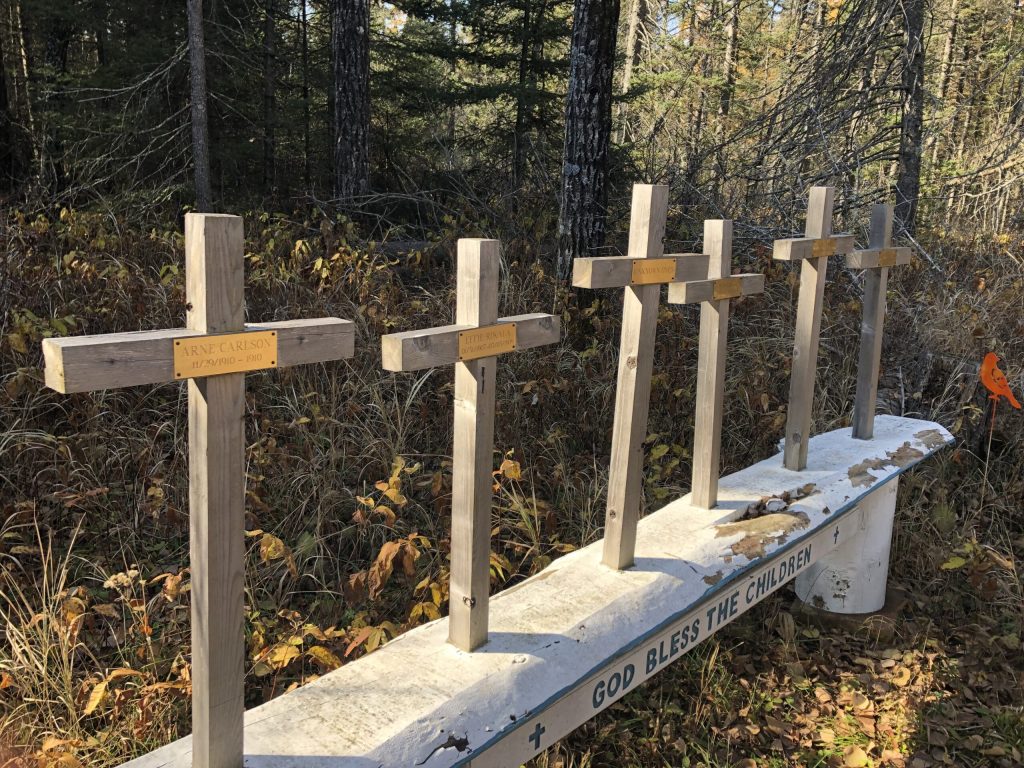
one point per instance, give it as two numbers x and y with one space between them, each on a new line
432 347
714 334
872 258
697 291
633 388
872 320
796 248
114 360
214 256
808 329
473 452
215 290
617 271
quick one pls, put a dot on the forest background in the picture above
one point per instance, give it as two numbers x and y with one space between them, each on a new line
359 140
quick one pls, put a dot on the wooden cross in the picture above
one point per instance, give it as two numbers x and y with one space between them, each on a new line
813 251
714 295
212 353
876 260
472 346
641 273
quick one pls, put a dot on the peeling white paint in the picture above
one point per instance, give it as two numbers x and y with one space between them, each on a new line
556 638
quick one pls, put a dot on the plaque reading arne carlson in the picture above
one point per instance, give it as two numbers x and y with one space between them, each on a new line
224 353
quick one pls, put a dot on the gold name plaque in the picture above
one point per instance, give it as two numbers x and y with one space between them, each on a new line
727 288
887 257
826 246
651 271
224 353
488 341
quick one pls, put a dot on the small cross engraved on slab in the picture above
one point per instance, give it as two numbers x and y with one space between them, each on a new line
713 294
641 273
211 353
471 346
538 731
812 251
875 260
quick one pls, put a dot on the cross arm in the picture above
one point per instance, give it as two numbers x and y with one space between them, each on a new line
431 347
796 248
621 271
717 289
878 257
108 361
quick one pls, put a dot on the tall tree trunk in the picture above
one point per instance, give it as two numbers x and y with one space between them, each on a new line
908 183
304 15
200 122
944 69
636 37
732 25
523 96
269 96
350 52
588 125
20 128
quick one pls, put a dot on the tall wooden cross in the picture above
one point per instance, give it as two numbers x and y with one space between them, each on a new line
714 295
641 273
875 260
472 346
212 353
812 251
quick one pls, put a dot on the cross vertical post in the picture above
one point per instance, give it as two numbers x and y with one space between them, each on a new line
876 261
212 353
714 294
714 334
476 304
633 387
214 281
641 273
813 251
472 346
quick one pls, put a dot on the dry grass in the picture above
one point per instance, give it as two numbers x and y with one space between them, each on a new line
93 549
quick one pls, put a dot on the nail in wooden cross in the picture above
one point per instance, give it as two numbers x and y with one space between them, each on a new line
641 273
472 346
714 295
876 260
813 251
212 353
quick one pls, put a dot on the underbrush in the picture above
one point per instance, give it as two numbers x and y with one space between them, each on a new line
349 470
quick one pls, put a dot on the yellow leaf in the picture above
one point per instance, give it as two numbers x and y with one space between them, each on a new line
658 451
366 501
324 657
95 697
123 672
280 656
17 342
272 548
954 562
396 496
511 469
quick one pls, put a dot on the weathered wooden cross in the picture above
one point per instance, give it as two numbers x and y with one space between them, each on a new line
812 251
211 353
875 260
472 346
714 295
641 273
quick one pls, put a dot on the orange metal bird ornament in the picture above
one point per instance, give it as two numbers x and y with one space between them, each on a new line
995 381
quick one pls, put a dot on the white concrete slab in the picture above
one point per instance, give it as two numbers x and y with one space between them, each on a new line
573 639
